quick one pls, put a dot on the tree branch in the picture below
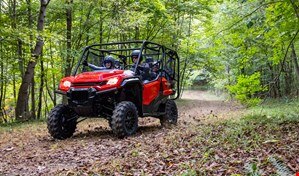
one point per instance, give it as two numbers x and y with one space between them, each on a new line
296 8
284 59
247 15
285 55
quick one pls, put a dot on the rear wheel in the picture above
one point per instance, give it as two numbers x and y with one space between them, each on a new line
62 122
171 114
124 120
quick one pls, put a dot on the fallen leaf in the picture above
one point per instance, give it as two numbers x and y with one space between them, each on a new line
9 149
270 141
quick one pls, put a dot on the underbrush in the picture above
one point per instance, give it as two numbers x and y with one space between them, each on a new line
21 125
275 111
264 141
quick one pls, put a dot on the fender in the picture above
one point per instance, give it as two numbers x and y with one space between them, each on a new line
130 81
134 84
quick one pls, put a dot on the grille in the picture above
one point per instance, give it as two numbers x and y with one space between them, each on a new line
90 84
79 95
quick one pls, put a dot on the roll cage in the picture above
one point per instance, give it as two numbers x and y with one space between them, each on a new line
152 53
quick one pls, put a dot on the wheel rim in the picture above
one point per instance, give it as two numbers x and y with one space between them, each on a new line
130 122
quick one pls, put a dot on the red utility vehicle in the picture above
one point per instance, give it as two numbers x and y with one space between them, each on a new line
122 93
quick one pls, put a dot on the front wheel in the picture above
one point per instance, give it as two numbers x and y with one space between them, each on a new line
171 114
62 122
124 121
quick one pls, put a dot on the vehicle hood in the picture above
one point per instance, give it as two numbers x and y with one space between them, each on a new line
96 76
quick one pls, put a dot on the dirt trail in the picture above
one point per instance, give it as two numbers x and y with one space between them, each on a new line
200 106
29 150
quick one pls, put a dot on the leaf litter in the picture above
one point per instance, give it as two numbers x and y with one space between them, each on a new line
201 144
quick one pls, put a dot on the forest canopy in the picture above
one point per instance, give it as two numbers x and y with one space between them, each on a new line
247 48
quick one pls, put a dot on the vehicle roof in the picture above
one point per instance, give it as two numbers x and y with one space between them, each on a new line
128 44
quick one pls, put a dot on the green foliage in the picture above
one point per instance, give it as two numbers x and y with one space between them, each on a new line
196 77
189 172
246 88
93 21
251 36
20 125
281 169
274 112
228 39
252 170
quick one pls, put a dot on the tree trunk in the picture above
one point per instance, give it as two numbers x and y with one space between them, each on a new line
30 24
68 62
50 91
20 57
53 75
295 60
46 108
2 82
14 88
1 77
41 88
276 85
32 114
288 78
21 111
272 85
14 27
136 35
3 102
182 86
19 41
101 22
68 37
1 72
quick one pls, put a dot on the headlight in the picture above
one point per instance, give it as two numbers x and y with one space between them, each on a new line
65 85
112 81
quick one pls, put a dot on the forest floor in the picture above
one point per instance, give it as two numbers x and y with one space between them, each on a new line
213 137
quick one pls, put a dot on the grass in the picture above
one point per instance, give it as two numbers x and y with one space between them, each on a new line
263 132
21 125
268 117
275 111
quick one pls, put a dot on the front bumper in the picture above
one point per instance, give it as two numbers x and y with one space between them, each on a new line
81 96
89 102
